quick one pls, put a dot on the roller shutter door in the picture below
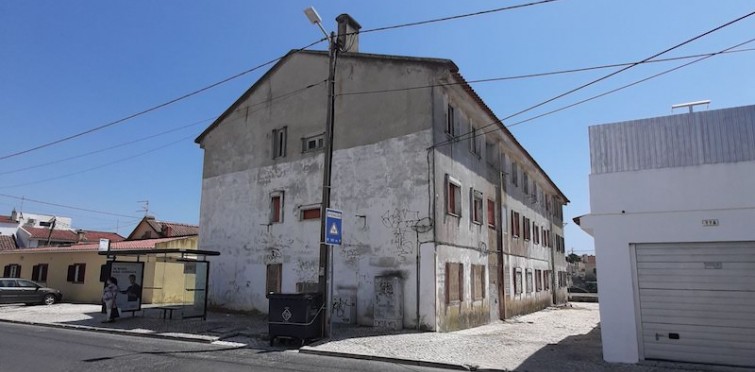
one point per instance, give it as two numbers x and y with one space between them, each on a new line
697 302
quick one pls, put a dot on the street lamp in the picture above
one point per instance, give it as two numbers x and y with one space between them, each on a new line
324 280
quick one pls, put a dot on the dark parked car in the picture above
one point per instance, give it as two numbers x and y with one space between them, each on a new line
13 290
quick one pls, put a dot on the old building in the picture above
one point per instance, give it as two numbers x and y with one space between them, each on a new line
671 211
437 196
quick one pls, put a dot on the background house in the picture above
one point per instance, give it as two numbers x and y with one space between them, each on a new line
671 211
444 211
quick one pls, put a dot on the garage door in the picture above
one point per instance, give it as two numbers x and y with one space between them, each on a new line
697 302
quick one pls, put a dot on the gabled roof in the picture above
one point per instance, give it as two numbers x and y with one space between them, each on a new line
7 243
165 229
452 68
57 235
7 219
146 244
95 236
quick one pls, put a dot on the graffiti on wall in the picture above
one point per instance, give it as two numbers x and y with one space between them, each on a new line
401 221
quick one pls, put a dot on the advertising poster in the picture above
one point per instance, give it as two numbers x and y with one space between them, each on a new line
130 276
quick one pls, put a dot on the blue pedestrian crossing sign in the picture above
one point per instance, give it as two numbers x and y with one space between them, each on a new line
333 233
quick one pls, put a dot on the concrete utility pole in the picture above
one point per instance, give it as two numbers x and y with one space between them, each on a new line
324 267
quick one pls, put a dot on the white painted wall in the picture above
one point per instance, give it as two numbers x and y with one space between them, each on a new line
659 206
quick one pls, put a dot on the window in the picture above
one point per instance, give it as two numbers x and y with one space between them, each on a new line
547 280
314 143
476 205
276 207
515 231
273 280
525 183
547 203
76 273
279 143
478 282
529 280
562 279
474 140
534 192
527 235
535 233
454 282
491 213
518 281
453 197
538 280
515 173
39 273
12 271
450 121
310 213
491 153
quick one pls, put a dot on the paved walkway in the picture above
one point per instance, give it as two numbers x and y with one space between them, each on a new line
555 339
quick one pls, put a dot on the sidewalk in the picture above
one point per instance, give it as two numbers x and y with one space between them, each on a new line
555 339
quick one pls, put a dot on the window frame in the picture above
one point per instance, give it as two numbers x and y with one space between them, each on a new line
491 213
515 225
518 280
476 206
76 273
530 282
319 140
514 173
276 212
478 277
450 129
310 208
459 294
270 269
453 196
280 139
12 271
39 272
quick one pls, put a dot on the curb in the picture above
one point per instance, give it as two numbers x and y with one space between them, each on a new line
420 363
174 337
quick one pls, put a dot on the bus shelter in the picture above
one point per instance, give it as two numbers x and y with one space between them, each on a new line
169 279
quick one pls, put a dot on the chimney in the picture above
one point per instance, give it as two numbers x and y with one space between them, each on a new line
348 33
80 236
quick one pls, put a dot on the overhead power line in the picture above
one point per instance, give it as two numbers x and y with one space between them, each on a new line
538 74
450 18
153 108
240 74
481 133
634 64
65 206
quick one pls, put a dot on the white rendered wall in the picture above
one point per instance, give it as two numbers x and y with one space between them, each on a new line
659 206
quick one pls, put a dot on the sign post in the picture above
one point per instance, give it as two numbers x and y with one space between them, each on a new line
333 236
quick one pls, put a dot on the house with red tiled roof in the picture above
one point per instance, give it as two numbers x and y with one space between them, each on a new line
7 243
150 228
32 237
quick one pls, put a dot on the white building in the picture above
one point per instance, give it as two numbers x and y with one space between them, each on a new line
438 198
672 211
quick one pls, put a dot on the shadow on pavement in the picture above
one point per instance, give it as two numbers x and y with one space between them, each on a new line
574 353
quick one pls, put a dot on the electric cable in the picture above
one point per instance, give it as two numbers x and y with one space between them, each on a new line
25 199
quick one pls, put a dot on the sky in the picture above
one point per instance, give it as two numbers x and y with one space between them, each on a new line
67 67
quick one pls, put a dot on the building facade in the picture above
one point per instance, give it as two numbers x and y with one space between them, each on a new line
459 219
671 211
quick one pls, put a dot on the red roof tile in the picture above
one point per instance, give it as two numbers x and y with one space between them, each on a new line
6 219
57 235
95 236
145 244
7 242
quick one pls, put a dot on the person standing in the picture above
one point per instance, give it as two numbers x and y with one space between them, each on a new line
108 297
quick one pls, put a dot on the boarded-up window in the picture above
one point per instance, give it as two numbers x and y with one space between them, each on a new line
518 281
491 213
547 280
274 277
279 143
276 207
76 273
538 280
39 273
450 121
454 282
310 214
527 233
478 282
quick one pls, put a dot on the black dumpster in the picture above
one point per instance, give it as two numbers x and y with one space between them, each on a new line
295 315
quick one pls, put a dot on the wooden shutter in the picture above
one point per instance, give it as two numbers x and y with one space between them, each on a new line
454 282
43 272
6 271
71 273
82 272
274 278
491 213
105 272
35 273
276 206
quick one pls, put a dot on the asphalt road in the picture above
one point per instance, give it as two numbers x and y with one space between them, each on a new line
26 348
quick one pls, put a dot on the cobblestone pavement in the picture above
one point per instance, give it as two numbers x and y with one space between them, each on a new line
555 339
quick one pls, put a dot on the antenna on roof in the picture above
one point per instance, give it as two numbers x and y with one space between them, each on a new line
691 104
145 207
